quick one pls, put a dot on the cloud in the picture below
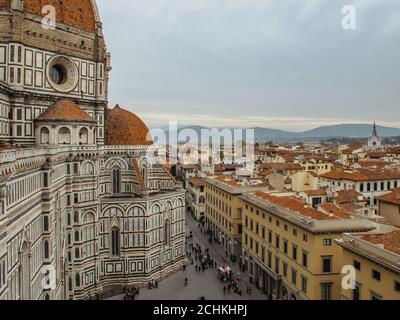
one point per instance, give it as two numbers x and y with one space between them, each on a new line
282 123
282 59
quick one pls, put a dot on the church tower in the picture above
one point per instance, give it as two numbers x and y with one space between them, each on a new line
374 142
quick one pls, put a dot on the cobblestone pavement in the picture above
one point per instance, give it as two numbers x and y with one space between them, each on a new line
200 283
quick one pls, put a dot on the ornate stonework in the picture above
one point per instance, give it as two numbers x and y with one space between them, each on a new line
82 204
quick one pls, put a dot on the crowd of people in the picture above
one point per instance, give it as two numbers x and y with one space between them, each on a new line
201 259
131 293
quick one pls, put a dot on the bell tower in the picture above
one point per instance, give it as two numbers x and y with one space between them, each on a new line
374 142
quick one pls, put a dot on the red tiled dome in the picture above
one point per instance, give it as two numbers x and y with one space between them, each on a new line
65 110
75 13
125 128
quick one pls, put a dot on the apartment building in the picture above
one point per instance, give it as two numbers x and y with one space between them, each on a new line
196 197
389 207
223 215
376 261
370 183
288 246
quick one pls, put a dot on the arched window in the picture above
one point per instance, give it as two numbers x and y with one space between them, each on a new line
144 175
76 236
87 168
115 242
89 235
388 185
64 136
47 297
382 186
70 284
116 181
94 136
69 219
362 187
83 136
167 233
375 186
368 187
77 255
46 250
69 238
77 280
76 216
44 136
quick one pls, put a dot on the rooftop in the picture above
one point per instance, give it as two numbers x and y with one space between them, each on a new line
65 110
125 128
381 248
314 193
79 14
238 186
198 182
348 196
392 197
362 174
298 206
388 241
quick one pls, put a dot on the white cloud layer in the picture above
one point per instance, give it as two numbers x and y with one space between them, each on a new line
272 59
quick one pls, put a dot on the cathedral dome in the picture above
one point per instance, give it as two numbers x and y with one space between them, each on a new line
80 14
125 128
65 111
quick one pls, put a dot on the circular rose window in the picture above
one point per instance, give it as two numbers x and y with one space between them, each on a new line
62 73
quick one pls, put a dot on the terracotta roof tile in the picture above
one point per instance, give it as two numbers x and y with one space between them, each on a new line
5 146
362 175
65 110
348 196
198 182
125 128
75 13
297 205
319 192
280 166
336 210
392 197
390 241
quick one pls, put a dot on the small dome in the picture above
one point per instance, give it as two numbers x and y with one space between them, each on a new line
65 110
125 128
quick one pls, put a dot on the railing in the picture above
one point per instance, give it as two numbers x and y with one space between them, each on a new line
13 155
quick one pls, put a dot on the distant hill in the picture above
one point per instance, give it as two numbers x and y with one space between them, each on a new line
320 133
350 131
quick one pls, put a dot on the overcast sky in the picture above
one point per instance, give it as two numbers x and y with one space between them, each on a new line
284 64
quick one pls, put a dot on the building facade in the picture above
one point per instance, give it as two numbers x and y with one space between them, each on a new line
224 210
288 247
370 183
375 259
85 208
389 207
196 200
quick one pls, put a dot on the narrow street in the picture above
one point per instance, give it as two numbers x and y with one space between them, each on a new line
200 283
